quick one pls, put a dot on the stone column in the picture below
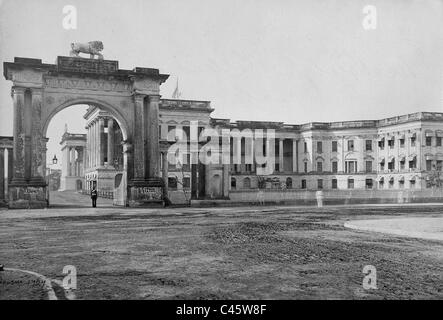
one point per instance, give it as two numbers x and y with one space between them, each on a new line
94 144
101 130
152 137
165 169
2 174
97 143
65 162
139 137
294 156
111 142
86 159
38 143
280 154
72 161
18 95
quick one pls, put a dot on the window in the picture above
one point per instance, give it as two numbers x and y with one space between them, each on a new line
413 139
350 166
413 164
288 183
401 184
247 183
334 183
428 141
368 166
305 166
381 144
402 143
334 146
171 132
186 130
319 166
277 167
382 165
186 182
381 184
303 184
412 184
319 147
334 166
369 183
305 147
428 165
368 145
233 183
402 164
391 183
172 183
438 142
350 183
439 166
248 167
391 165
350 145
391 143
320 184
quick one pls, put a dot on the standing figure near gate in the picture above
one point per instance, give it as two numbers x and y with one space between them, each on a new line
94 196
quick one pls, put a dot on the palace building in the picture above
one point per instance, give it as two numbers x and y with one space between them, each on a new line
403 153
129 150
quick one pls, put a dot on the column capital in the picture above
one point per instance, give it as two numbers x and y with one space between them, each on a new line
138 97
154 98
17 90
36 91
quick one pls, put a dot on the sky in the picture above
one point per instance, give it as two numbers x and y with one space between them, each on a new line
295 61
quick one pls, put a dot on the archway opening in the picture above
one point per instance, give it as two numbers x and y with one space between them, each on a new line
85 151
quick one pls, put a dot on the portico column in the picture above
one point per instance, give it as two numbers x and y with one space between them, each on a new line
94 144
152 137
2 174
294 155
72 161
165 169
280 154
18 95
111 142
97 143
101 130
86 159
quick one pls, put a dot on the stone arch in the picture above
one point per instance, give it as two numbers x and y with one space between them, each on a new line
121 120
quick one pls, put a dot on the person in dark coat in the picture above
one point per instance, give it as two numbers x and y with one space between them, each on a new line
94 197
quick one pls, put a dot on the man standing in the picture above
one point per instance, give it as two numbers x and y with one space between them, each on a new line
94 196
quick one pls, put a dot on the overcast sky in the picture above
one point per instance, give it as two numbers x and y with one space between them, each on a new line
282 60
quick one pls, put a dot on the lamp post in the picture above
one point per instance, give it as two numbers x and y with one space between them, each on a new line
49 172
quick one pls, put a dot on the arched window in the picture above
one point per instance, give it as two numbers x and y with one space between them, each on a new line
288 183
247 183
233 183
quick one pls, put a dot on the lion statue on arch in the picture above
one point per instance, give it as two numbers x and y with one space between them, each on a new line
92 47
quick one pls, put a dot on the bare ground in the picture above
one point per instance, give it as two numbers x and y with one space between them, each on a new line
222 253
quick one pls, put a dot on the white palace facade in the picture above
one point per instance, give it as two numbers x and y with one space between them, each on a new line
382 159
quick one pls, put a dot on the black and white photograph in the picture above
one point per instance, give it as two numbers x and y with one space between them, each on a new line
222 155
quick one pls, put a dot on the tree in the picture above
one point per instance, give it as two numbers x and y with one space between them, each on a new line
434 178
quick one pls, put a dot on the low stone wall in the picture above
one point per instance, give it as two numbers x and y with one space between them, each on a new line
305 197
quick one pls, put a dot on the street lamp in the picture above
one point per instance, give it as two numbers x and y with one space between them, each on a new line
54 160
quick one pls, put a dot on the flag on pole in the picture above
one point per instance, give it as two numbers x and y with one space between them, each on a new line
176 94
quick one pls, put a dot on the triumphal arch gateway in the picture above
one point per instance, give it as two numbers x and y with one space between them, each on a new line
132 97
